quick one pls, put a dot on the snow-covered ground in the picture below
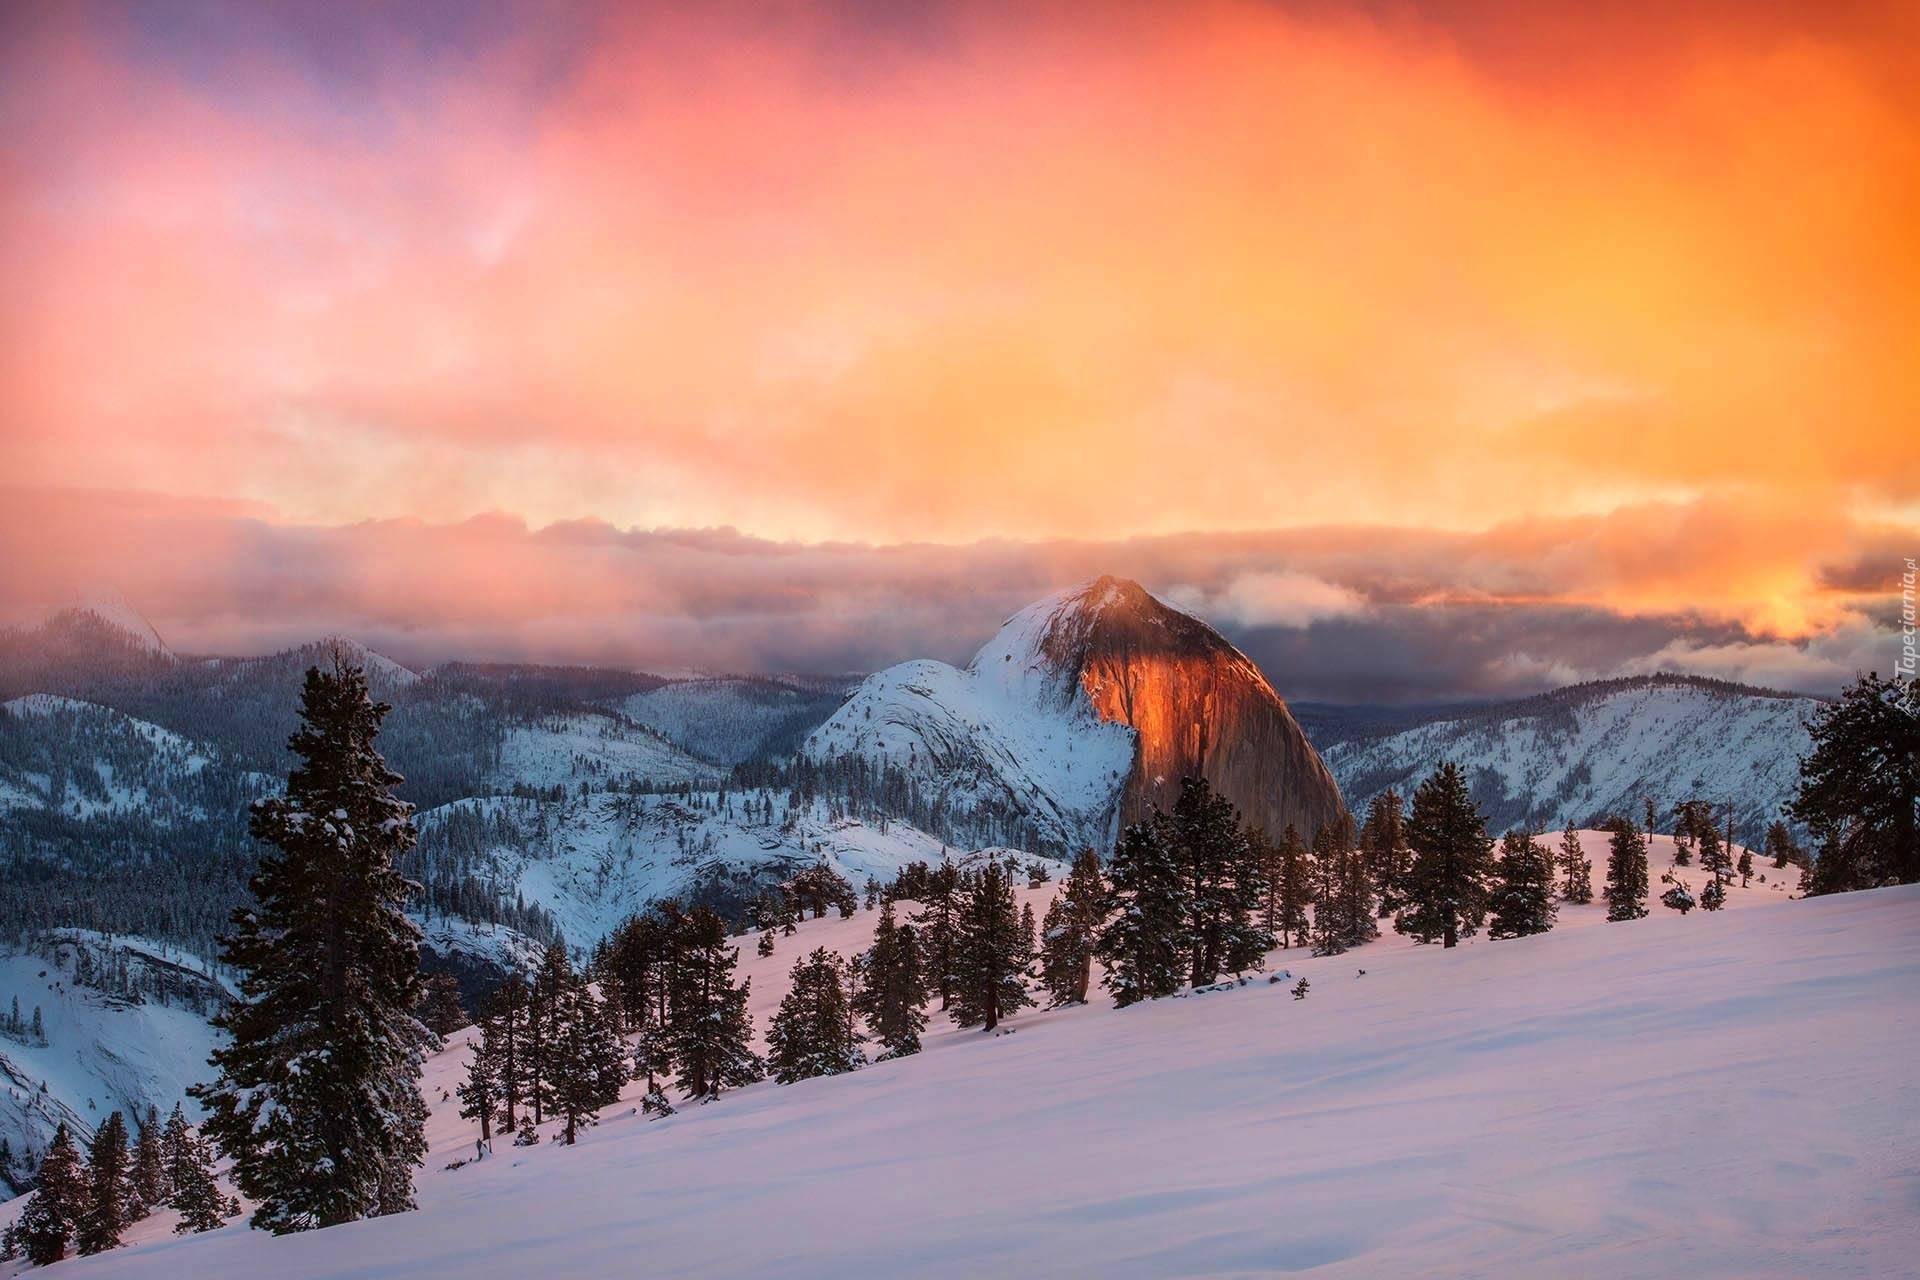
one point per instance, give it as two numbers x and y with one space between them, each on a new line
1715 1095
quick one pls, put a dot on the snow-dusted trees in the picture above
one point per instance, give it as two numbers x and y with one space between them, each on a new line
1446 887
1343 915
818 888
937 892
708 1031
1286 886
112 1204
150 1161
1859 787
1626 891
1068 933
1679 896
1576 869
990 951
812 1033
587 1062
1146 905
441 1007
1714 896
481 1093
893 987
317 1100
59 1202
1221 883
1383 840
1522 898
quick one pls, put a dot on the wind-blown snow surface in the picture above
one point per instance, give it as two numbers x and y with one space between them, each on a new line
1012 732
1724 1095
1582 753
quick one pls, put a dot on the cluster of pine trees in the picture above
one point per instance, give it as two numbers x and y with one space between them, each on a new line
547 1047
86 1205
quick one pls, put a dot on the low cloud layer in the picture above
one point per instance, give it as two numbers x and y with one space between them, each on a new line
1345 614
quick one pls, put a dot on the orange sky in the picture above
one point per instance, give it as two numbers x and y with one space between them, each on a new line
830 273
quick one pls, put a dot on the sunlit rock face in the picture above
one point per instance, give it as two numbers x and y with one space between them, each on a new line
1080 714
1198 706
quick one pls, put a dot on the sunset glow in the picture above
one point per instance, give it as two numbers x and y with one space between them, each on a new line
1302 310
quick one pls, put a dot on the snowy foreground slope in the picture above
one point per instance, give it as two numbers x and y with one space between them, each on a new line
1715 1095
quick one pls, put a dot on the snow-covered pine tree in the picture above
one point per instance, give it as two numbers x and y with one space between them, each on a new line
1383 839
1576 869
480 1093
936 925
893 990
812 1034
1522 899
441 1007
111 1199
505 1029
1222 890
150 1162
1289 890
1714 896
590 1064
202 1205
709 1031
1068 934
1626 891
1446 887
547 998
1679 897
1745 866
59 1202
989 951
174 1144
765 946
317 1100
1142 946
1714 858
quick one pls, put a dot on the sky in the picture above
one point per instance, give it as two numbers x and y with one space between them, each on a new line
1431 350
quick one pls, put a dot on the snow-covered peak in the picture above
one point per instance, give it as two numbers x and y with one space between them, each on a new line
112 609
379 668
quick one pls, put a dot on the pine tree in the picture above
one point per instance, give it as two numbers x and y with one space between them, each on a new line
441 1008
1446 887
1141 945
110 1193
936 924
1289 890
1331 927
813 1034
481 1092
1383 840
1714 857
709 1031
60 1200
548 1007
202 1205
1576 869
1679 897
1626 891
317 1101
1221 886
1070 930
1782 847
1714 896
990 953
1522 899
175 1146
150 1163
893 989
765 946
504 1028
1745 866
590 1064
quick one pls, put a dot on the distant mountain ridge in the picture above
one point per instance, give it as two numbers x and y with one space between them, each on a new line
1589 750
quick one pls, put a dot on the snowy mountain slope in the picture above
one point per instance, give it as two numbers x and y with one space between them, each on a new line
597 748
1591 750
125 1028
591 861
121 764
113 609
1083 710
1721 1095
728 719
